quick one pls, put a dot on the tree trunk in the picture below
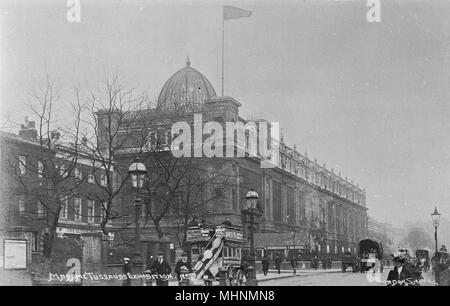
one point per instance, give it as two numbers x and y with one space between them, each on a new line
158 229
103 226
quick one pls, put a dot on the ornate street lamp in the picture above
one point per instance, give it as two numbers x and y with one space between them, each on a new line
251 211
435 216
252 200
137 172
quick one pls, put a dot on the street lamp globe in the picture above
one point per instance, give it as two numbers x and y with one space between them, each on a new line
435 216
137 172
252 199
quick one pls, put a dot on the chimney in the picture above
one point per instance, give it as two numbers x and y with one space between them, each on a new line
28 130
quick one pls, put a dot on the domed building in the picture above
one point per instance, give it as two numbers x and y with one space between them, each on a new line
305 205
187 87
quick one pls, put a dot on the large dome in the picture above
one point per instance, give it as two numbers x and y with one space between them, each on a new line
187 87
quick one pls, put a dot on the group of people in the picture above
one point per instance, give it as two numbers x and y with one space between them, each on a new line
161 269
407 271
326 263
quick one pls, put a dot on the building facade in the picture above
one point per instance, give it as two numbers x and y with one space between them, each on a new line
309 203
33 177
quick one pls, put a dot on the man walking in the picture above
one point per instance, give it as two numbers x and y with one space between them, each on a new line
126 269
265 265
162 270
278 263
294 264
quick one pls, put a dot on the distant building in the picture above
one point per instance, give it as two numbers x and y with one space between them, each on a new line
391 237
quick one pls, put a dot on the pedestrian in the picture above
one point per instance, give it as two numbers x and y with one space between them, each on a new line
294 264
278 263
182 268
324 263
194 222
398 276
227 222
126 269
162 270
265 265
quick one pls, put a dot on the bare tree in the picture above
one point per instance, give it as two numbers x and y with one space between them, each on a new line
56 151
113 114
200 187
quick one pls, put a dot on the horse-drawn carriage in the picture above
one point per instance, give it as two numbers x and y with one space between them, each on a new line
214 249
349 260
371 255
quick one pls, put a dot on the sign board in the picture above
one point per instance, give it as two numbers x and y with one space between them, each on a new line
15 254
197 235
232 261
234 235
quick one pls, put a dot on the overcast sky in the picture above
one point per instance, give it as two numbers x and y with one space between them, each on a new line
371 100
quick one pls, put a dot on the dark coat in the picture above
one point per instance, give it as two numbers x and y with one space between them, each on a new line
278 262
127 269
396 279
181 264
293 262
265 264
161 268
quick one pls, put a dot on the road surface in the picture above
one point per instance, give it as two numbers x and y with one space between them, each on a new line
334 279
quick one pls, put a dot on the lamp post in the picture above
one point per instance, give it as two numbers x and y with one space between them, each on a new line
137 172
435 216
252 212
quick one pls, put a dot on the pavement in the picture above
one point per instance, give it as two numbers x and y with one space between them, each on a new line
337 279
273 274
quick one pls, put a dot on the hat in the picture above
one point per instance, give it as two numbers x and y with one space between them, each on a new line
126 259
398 259
184 254
160 254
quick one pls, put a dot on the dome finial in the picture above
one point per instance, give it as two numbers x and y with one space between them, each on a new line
188 62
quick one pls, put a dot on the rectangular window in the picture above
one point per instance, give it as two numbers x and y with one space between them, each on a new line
40 209
91 211
91 179
277 206
103 180
234 199
152 137
102 208
302 205
78 174
21 204
22 164
77 208
40 169
64 208
291 206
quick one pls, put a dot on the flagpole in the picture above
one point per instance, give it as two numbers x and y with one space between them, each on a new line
223 49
